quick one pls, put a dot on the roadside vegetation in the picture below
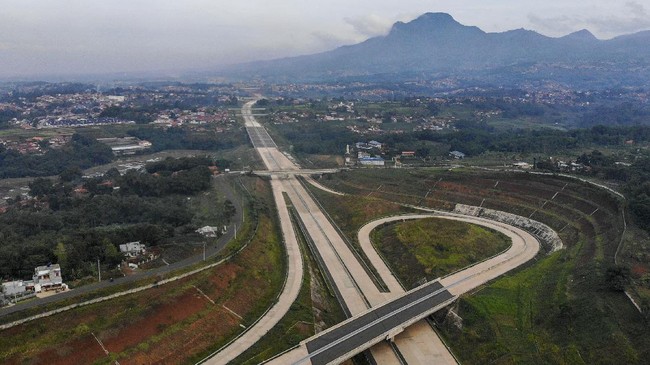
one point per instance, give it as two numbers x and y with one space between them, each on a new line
433 247
567 307
315 310
179 322
475 125
75 221
81 152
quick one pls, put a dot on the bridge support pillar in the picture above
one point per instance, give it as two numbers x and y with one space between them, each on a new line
394 332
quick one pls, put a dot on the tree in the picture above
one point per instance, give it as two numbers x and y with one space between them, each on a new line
112 174
229 210
422 152
618 277
262 102
111 255
70 174
41 187
61 254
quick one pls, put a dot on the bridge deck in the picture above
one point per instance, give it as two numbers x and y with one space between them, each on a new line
260 137
359 333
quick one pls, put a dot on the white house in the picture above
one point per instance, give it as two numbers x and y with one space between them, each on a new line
208 231
17 287
46 277
457 155
372 161
133 249
522 165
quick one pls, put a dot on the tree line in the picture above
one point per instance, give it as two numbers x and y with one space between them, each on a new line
74 223
81 152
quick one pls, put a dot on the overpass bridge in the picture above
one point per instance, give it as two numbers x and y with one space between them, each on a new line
364 330
287 173
377 315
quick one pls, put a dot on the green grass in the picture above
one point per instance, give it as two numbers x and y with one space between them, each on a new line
256 273
536 317
431 248
314 307
558 309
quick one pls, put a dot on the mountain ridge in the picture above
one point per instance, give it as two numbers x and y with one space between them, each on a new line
435 43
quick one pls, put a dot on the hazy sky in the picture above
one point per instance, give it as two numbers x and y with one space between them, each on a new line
92 36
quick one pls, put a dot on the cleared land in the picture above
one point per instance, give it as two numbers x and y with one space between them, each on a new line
174 323
431 248
315 309
560 309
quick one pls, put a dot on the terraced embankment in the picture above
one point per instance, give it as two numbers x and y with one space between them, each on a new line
558 310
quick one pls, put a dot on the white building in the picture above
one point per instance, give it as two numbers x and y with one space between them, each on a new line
133 249
209 231
46 277
17 287
457 155
372 161
522 165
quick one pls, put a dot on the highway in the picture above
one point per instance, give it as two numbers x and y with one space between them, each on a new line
359 294
524 247
378 324
274 160
416 338
349 277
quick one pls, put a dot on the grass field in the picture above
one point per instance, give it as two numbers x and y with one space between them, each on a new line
431 248
178 322
559 309
314 310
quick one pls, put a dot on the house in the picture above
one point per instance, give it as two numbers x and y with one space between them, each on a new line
457 155
132 249
11 288
372 161
362 146
408 153
47 277
15 291
375 144
209 231
522 165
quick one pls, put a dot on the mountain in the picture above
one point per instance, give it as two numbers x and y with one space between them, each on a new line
581 36
436 45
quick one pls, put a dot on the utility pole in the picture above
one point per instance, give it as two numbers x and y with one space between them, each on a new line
203 251
235 230
99 270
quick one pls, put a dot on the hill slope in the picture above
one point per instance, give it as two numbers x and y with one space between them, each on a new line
436 45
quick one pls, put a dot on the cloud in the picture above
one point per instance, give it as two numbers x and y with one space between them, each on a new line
636 19
561 24
636 8
370 25
327 41
633 17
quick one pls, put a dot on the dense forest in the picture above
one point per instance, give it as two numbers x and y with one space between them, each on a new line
84 151
177 138
472 138
76 222
476 138
81 152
